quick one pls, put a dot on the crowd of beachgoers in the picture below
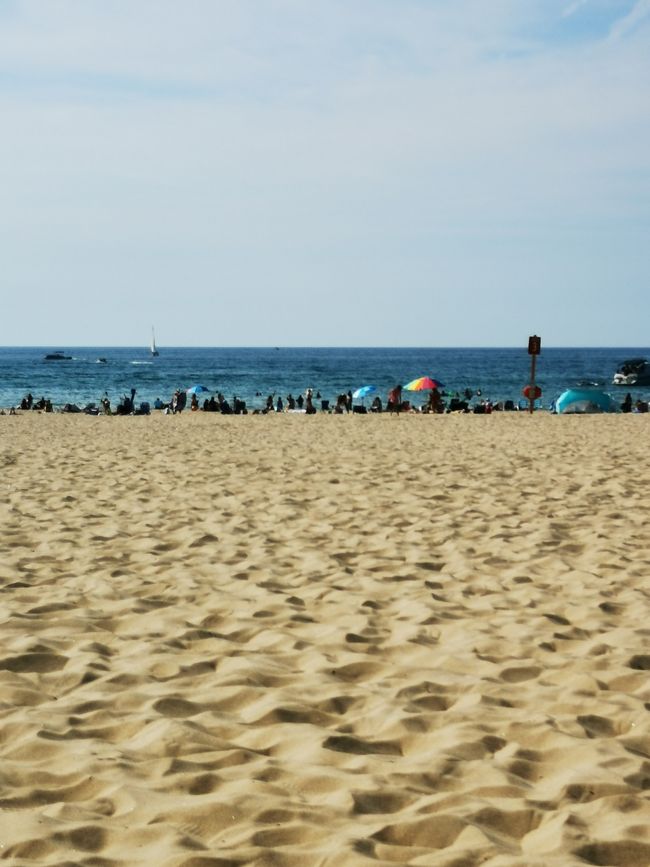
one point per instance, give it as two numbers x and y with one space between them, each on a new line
309 402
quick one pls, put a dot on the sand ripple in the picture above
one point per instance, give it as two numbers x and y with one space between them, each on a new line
324 642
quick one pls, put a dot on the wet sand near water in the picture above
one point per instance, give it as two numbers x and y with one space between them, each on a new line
324 641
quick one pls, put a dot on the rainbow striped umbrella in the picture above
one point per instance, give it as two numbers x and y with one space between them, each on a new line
423 383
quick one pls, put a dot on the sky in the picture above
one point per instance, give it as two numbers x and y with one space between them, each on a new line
325 172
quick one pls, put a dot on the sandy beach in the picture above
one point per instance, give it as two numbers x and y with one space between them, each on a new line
324 641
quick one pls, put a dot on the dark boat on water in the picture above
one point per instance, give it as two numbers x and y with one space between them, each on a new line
57 356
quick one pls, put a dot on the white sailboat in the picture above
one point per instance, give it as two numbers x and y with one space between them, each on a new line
154 351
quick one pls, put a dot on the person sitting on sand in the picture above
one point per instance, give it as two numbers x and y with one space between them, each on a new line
376 405
194 404
458 405
394 402
341 404
435 404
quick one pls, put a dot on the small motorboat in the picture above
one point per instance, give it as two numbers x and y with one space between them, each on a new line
634 371
101 361
57 356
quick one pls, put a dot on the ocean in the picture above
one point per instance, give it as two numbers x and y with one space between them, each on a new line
253 373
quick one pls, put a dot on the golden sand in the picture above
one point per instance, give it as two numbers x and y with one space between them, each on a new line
324 641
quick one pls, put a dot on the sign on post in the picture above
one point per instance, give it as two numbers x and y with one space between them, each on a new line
532 391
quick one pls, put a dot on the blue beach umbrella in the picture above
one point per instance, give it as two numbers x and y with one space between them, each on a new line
364 391
197 389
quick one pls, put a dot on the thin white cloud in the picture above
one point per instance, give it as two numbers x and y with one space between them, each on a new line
573 8
628 23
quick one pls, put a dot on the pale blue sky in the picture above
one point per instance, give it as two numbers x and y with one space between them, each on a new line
303 172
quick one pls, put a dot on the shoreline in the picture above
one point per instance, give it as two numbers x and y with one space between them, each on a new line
252 375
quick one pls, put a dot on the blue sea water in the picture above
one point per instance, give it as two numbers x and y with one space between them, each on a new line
253 373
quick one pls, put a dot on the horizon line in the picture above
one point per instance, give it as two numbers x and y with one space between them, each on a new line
312 346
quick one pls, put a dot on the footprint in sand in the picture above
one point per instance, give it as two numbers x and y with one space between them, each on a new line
359 747
176 707
42 663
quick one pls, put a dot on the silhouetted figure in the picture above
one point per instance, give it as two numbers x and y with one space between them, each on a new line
341 404
394 401
435 403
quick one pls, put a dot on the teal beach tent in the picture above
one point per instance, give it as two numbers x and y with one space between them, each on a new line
585 400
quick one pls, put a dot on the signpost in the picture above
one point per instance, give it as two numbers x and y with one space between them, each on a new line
532 391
